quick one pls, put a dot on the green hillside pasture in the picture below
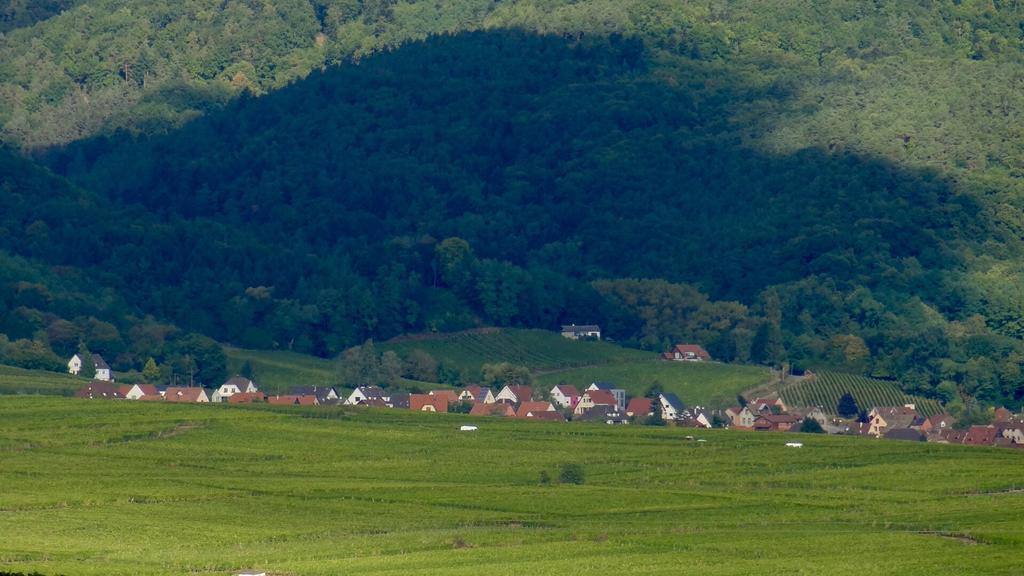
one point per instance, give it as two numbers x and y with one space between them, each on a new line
826 388
21 381
278 371
697 383
535 349
128 488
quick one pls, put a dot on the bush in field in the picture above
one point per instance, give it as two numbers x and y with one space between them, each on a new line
571 474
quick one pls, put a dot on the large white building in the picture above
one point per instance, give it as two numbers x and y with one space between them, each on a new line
102 369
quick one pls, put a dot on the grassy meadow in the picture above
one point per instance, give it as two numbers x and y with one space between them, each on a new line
15 380
277 371
112 488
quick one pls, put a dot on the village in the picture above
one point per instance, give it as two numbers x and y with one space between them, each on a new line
600 402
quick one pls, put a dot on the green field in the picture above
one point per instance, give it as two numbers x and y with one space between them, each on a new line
535 349
696 383
277 371
129 488
826 388
21 381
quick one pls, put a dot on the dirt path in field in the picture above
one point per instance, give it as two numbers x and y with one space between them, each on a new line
958 536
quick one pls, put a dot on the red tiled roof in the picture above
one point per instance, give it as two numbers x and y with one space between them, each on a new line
449 396
695 349
980 436
420 402
182 394
599 397
569 390
639 407
246 398
526 407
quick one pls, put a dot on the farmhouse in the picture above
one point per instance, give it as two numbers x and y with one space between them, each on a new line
565 395
234 385
742 417
687 353
102 369
583 331
766 405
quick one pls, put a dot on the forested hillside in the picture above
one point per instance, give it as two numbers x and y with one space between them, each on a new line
797 180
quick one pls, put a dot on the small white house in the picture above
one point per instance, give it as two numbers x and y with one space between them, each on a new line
565 395
102 369
234 385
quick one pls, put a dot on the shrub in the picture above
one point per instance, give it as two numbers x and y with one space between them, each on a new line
571 474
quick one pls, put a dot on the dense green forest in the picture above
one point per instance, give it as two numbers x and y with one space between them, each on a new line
831 184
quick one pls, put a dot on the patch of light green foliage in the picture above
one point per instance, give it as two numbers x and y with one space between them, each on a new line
119 488
280 370
826 388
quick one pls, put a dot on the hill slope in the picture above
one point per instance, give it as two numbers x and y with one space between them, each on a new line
758 154
329 499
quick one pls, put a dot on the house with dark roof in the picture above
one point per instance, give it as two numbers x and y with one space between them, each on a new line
101 366
477 394
687 353
99 390
235 385
604 413
323 394
671 406
583 331
363 394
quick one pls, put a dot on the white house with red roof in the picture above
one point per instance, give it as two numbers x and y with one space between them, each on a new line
565 395
687 353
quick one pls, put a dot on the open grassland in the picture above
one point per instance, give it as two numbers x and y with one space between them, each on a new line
536 349
826 388
112 488
696 383
277 371
21 381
